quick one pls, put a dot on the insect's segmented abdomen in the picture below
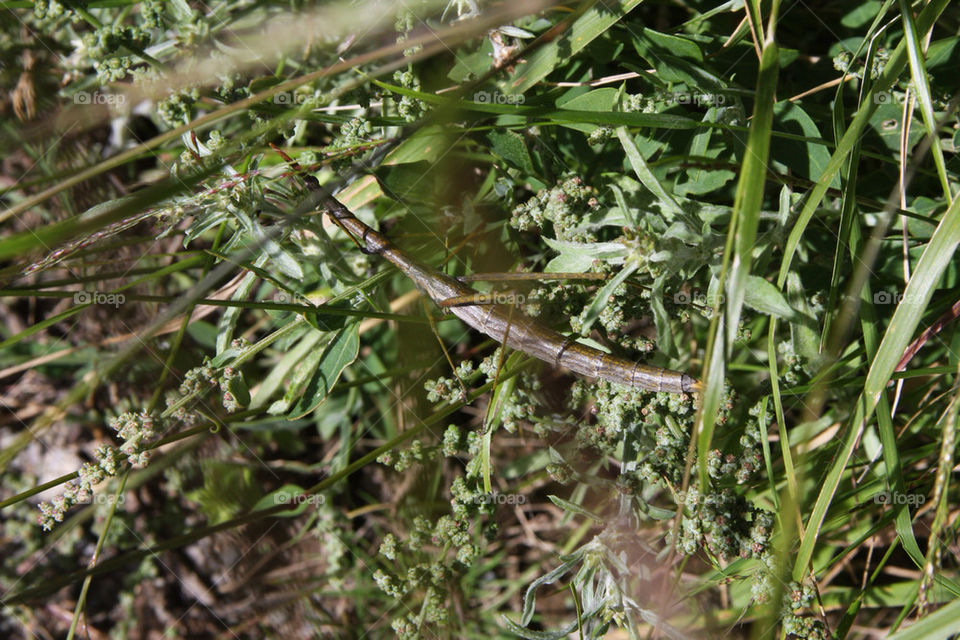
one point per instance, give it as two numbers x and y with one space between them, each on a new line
511 327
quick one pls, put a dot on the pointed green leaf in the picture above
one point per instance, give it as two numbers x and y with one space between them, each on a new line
340 352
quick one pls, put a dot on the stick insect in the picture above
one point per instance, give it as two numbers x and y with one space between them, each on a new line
502 323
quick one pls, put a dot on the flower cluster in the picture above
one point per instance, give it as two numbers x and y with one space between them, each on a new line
564 206
792 371
619 409
202 380
416 453
449 389
103 44
717 518
726 524
177 109
518 406
137 431
555 300
741 466
235 393
49 9
599 136
797 598
435 554
843 62
410 109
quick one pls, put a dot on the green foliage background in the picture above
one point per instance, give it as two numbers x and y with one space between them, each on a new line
213 397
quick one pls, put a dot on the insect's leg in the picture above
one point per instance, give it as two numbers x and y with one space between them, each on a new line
443 347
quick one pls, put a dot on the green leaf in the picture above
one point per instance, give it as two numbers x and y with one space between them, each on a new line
645 175
600 100
282 371
529 634
738 253
288 494
511 146
228 488
428 144
596 100
942 623
182 11
679 46
938 254
766 298
204 223
280 258
861 14
921 87
701 180
339 353
238 389
661 319
326 321
622 205
602 298
578 257
804 335
530 599
406 182
574 508
891 73
805 157
228 321
37 327
585 29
